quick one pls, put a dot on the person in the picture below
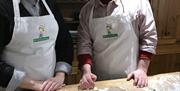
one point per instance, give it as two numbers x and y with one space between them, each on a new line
36 48
117 39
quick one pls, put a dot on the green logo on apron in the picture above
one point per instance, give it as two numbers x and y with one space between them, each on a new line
109 34
41 35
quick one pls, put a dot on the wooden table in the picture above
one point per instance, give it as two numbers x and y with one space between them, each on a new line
155 84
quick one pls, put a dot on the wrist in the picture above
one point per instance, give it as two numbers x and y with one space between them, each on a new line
86 68
60 74
143 65
145 55
142 69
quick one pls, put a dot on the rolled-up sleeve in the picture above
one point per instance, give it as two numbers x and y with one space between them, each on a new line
84 39
148 33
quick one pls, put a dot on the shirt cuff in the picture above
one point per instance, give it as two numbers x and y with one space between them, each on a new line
16 79
145 55
84 59
63 67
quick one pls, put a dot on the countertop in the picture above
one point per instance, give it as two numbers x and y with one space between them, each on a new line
160 82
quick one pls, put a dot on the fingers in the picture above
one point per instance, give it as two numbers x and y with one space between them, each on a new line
47 86
52 85
142 82
44 85
135 81
58 86
87 81
140 78
84 83
94 77
130 76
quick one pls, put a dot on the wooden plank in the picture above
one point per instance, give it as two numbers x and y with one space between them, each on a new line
168 49
178 28
166 40
164 63
177 2
171 19
162 17
155 5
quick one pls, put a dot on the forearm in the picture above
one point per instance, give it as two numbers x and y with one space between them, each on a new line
144 60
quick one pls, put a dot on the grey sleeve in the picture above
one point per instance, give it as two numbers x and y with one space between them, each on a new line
63 67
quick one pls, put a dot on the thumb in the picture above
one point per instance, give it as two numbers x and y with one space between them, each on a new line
130 76
94 77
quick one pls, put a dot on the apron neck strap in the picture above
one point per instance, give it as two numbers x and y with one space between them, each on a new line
91 14
16 8
122 6
47 7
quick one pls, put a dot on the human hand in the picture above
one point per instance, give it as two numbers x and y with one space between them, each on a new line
140 78
87 80
28 83
37 86
54 83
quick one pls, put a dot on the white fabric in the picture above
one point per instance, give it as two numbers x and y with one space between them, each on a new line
32 48
115 53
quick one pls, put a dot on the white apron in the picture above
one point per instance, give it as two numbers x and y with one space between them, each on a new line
115 46
32 48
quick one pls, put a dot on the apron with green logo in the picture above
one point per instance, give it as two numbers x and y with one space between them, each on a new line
32 48
115 45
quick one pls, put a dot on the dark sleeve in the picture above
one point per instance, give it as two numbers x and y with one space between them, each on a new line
6 71
64 46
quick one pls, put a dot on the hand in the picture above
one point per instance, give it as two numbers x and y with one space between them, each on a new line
28 83
140 78
87 80
37 86
54 83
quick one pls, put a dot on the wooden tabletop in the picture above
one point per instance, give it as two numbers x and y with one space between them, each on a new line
155 84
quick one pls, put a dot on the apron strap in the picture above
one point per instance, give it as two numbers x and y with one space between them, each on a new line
16 8
91 17
122 6
47 7
91 14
